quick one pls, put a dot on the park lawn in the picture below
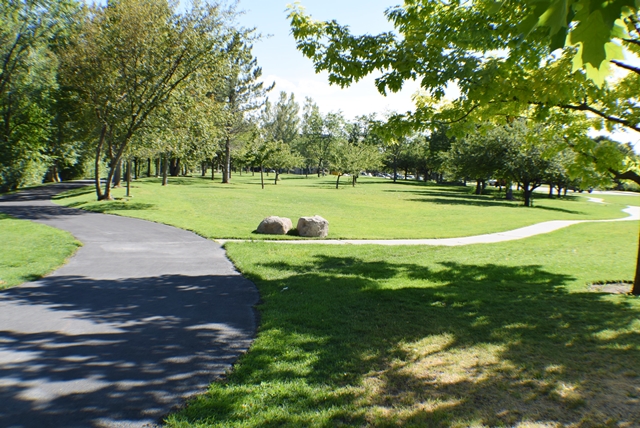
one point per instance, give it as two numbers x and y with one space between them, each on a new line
30 250
486 335
374 209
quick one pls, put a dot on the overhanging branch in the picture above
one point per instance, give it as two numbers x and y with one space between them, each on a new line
626 66
627 175
608 117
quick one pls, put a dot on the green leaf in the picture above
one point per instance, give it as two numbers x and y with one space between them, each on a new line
559 40
592 33
555 17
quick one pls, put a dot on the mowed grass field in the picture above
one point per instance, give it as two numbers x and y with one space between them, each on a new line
30 250
374 209
487 335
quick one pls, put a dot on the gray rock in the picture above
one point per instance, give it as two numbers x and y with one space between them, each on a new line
315 226
275 225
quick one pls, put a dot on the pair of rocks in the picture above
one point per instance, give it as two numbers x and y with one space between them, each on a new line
313 227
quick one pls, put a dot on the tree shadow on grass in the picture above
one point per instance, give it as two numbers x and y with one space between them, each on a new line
451 344
492 203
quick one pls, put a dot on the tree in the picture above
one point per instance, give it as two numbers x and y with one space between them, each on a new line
29 30
130 59
280 121
241 92
498 75
311 142
352 157
281 157
280 128
438 144
524 162
479 156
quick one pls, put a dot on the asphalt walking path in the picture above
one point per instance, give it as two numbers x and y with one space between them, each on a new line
141 317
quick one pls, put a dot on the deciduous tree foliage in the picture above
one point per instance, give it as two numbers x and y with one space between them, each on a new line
29 30
499 53
130 59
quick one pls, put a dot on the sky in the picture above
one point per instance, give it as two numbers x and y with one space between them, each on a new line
283 64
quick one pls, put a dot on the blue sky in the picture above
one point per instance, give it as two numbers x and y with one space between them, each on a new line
283 64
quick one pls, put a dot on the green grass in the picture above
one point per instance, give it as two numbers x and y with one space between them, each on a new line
30 250
504 334
374 209
486 335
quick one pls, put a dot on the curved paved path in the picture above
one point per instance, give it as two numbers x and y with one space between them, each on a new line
509 235
143 316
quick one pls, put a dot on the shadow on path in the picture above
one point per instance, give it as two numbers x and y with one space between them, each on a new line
142 317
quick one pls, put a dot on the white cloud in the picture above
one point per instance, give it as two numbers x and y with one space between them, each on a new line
358 99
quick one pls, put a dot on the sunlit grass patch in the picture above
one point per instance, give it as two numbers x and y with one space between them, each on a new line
486 335
30 250
374 209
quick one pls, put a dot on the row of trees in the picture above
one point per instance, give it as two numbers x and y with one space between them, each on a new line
135 79
132 78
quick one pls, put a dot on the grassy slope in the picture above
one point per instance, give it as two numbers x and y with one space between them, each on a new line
487 335
376 208
30 250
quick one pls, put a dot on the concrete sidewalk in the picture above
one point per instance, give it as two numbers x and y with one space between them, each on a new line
510 235
142 317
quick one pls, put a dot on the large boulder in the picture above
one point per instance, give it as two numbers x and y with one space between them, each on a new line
275 225
315 226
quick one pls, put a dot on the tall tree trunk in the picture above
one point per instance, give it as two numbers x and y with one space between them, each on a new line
148 167
395 169
527 194
52 175
508 194
275 181
551 187
103 133
203 167
174 167
165 169
479 187
117 175
353 180
338 181
262 176
213 168
158 165
226 170
128 177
